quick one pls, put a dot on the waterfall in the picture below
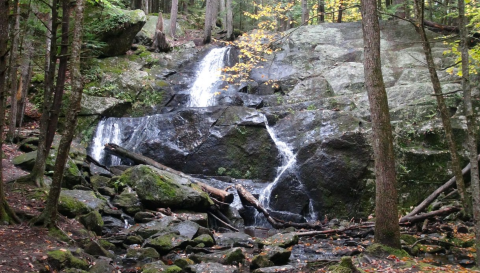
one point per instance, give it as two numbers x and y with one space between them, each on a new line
108 131
289 162
202 92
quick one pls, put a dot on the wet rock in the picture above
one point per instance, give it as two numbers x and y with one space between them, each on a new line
281 240
211 268
76 202
96 170
92 221
161 189
164 243
157 266
107 191
99 181
142 253
95 249
232 256
260 261
234 239
275 269
112 224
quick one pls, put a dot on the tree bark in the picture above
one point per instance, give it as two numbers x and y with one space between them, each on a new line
444 113
321 11
387 231
229 21
173 18
221 195
50 61
471 123
7 216
340 12
15 38
304 12
26 77
48 216
61 76
207 31
223 13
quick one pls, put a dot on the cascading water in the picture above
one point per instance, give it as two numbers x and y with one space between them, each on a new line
289 163
108 131
202 92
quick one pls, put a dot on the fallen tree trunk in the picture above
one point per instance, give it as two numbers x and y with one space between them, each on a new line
247 198
421 217
436 193
221 195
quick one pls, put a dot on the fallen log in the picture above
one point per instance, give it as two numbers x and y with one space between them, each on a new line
436 193
221 195
421 217
333 231
247 198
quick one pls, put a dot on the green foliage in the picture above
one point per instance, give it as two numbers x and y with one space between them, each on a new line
221 170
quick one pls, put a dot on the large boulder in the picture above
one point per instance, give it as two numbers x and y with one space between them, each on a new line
145 35
161 189
114 27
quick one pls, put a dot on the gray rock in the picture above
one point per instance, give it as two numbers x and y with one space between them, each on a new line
278 255
95 249
204 239
142 253
157 226
260 261
275 269
232 256
144 37
128 201
186 228
76 202
102 265
233 239
211 268
166 242
92 221
281 240
197 217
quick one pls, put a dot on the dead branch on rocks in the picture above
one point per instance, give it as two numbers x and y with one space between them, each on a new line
334 231
223 222
220 195
247 198
421 217
435 194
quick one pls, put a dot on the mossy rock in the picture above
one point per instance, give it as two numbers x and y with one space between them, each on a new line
345 266
157 188
60 259
409 239
173 269
183 262
381 251
95 249
72 207
281 239
131 240
142 253
128 201
106 244
167 242
260 261
92 221
204 239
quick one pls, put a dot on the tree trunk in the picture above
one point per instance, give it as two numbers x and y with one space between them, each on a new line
471 124
340 12
321 11
61 76
223 14
50 61
15 38
7 216
48 216
387 231
26 77
173 17
207 31
444 113
304 12
229 21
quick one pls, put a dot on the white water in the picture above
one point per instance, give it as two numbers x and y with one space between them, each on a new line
108 131
202 92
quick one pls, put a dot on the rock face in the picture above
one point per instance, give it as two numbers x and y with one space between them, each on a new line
319 112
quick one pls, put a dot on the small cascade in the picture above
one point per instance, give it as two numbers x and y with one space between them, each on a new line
108 131
202 92
289 163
